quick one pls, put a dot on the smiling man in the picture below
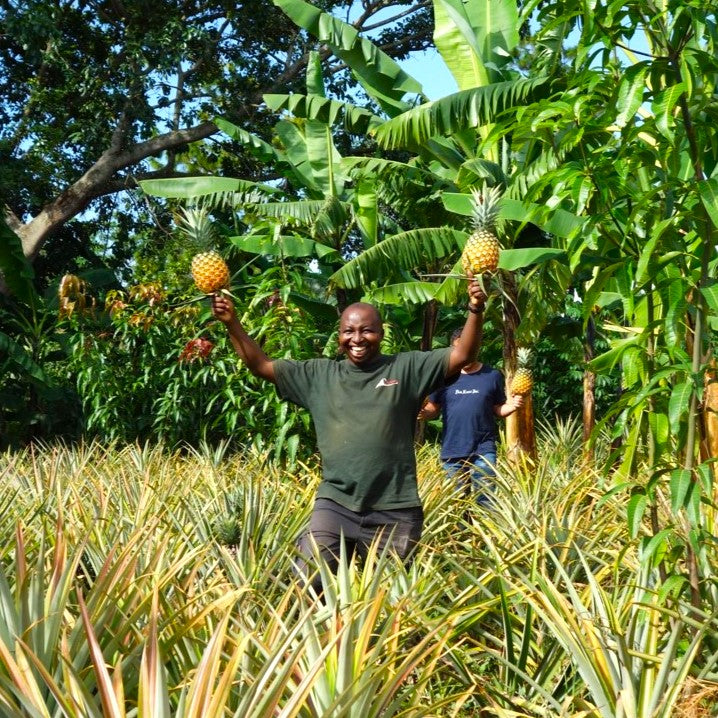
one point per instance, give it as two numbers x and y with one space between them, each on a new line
364 411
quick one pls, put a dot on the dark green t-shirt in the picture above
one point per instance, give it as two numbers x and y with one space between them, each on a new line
364 418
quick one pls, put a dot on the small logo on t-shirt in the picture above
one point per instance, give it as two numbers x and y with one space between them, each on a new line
467 391
386 382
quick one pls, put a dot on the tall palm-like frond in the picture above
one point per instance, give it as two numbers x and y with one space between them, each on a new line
459 111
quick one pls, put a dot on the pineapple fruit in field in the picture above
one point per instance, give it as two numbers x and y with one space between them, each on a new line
523 380
481 251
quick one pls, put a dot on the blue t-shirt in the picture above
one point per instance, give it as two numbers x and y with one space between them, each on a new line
467 410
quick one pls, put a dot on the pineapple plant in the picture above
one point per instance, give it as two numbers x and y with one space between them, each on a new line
523 380
209 271
481 252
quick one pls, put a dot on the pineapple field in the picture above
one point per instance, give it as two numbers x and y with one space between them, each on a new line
142 581
152 489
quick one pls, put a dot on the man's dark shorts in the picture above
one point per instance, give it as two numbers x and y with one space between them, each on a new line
398 530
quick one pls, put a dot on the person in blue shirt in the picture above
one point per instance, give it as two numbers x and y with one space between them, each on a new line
469 404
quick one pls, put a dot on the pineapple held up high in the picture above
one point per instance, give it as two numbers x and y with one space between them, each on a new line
209 271
481 251
523 380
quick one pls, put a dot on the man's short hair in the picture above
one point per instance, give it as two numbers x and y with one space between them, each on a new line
456 334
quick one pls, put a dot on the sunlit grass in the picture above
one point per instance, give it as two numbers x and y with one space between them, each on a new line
138 581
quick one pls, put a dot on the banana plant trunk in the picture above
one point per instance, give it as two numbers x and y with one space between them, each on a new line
709 427
520 432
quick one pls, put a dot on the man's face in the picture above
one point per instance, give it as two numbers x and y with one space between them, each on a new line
360 333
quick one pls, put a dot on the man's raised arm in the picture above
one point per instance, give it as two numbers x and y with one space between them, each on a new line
466 348
248 350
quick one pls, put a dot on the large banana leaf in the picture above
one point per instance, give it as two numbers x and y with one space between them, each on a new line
557 221
407 250
449 292
315 107
284 246
294 142
325 216
475 38
366 210
511 259
16 355
379 75
265 152
380 167
16 269
324 159
454 113
258 147
190 187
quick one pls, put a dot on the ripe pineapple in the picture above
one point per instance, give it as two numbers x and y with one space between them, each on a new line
481 252
209 271
523 380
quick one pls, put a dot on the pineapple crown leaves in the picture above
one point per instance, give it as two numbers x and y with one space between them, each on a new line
485 206
195 224
524 357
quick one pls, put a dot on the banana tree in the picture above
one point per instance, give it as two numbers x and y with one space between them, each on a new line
453 139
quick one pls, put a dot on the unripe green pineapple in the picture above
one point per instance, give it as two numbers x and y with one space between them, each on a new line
481 251
523 380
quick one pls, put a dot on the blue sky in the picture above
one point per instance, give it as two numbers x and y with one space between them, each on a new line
429 69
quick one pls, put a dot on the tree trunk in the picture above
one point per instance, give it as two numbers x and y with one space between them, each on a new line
99 180
709 416
518 435
589 390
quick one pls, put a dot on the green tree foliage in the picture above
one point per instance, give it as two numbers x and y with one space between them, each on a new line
97 96
148 369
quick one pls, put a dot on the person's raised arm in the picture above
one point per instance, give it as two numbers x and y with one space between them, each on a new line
248 350
466 348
